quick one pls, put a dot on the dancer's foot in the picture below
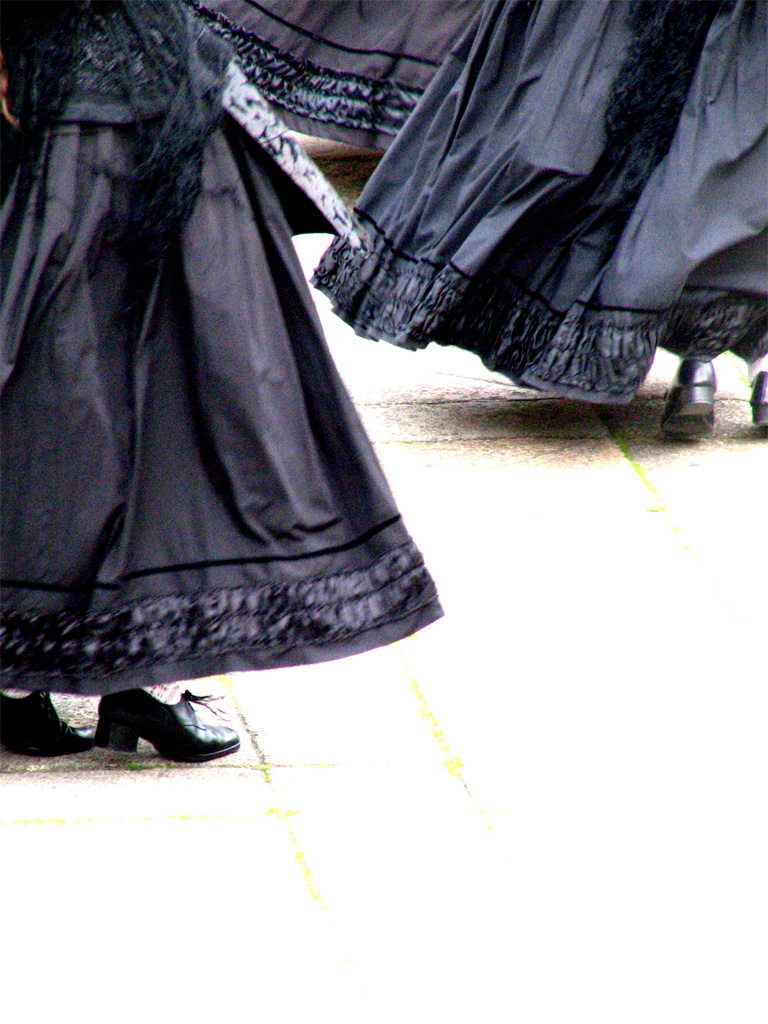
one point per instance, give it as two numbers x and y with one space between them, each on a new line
689 410
759 400
30 725
173 729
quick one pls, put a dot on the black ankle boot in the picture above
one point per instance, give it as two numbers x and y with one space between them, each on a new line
759 401
689 409
174 730
30 725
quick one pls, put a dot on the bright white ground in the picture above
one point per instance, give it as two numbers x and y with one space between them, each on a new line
549 807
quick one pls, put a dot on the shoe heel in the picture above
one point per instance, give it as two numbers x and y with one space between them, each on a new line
689 411
116 737
697 398
759 400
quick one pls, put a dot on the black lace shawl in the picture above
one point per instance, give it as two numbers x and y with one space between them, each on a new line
148 60
650 90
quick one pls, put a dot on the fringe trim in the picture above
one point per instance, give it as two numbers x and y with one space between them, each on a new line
272 618
309 90
592 354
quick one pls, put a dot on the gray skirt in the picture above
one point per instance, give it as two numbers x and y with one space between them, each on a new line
349 70
187 488
518 216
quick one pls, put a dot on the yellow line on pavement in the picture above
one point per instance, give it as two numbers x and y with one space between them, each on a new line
299 855
273 812
283 816
622 442
143 819
451 762
740 369
226 681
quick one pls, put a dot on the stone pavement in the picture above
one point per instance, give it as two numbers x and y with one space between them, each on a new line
549 807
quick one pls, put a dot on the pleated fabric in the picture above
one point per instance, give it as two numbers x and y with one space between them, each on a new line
187 488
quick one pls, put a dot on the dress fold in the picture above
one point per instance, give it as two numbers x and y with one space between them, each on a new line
187 487
568 192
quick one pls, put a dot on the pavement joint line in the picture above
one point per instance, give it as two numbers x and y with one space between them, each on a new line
501 400
299 855
283 816
134 766
623 443
304 764
452 763
263 768
226 681
740 369
132 820
510 440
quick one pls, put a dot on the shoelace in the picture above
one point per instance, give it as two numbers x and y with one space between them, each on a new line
207 702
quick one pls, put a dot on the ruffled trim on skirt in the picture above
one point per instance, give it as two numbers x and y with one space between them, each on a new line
309 90
264 622
589 353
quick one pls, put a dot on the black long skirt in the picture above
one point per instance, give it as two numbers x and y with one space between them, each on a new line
349 70
518 216
187 488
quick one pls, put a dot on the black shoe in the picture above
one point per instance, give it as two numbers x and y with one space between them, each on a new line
30 725
759 401
174 730
689 409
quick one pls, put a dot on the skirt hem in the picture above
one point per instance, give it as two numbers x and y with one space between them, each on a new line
589 353
265 626
205 666
320 94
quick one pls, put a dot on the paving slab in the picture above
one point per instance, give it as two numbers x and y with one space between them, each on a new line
348 167
415 881
83 712
356 711
599 676
545 807
712 491
187 921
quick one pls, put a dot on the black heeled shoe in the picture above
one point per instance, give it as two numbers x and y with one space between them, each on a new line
759 400
174 730
30 725
689 409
